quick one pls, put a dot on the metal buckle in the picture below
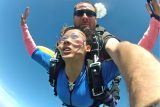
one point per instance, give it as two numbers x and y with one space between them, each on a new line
99 93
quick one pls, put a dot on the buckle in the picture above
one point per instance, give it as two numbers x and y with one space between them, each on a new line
98 93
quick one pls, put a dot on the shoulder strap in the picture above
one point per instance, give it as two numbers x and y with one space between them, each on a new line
99 93
55 64
95 79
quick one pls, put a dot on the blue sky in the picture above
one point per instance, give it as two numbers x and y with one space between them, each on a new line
23 82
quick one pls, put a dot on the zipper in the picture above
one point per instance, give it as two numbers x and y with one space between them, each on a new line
71 88
71 97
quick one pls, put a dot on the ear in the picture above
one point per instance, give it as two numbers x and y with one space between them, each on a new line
88 48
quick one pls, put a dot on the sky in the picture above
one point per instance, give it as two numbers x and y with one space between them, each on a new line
23 82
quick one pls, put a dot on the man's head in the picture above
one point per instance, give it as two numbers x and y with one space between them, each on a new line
85 15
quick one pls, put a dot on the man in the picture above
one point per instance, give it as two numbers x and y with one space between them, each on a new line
85 16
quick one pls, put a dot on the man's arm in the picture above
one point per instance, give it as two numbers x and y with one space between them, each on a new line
140 70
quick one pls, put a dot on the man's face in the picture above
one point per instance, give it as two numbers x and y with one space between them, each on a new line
84 16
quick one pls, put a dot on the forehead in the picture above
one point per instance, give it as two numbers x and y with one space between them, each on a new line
75 32
87 6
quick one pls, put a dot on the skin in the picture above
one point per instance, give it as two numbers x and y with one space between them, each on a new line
25 16
141 72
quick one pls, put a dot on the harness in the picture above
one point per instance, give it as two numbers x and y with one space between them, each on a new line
99 93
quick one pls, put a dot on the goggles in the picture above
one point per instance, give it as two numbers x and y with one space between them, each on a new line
80 13
73 39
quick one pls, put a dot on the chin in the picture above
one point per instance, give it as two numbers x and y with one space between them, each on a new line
67 56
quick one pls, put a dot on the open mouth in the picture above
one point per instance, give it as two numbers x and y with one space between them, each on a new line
66 50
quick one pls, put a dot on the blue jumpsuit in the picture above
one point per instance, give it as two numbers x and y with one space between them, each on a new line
80 95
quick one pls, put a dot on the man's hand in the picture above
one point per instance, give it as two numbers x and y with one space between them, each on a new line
24 16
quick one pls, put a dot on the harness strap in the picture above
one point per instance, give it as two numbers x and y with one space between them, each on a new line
115 87
55 64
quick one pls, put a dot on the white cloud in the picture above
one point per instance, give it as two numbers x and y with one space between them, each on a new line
6 99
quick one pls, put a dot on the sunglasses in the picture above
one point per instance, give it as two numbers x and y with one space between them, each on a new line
80 13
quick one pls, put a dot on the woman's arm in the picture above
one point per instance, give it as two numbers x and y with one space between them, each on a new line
40 54
29 42
151 35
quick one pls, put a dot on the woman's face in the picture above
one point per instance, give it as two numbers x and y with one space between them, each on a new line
73 44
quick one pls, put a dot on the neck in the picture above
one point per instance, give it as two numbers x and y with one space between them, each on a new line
73 69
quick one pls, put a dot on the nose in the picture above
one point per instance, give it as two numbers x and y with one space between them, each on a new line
66 42
85 17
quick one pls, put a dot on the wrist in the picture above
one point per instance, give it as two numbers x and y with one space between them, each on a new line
155 16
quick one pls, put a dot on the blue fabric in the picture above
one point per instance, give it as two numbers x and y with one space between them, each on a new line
42 58
109 71
80 96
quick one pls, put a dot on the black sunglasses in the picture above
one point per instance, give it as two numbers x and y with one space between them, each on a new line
80 13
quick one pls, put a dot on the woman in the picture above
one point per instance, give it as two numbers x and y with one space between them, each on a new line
72 82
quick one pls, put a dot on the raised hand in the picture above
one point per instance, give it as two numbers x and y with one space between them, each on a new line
24 16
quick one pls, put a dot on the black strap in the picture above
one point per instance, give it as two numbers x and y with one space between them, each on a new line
155 16
55 64
115 87
95 80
